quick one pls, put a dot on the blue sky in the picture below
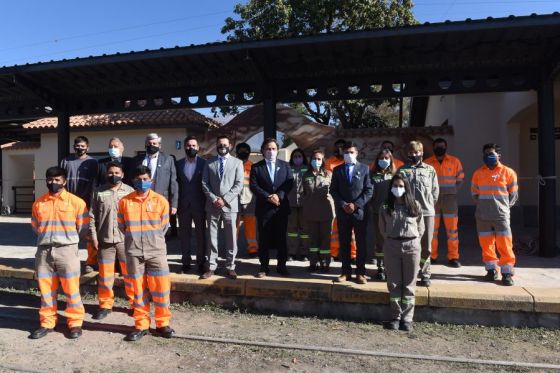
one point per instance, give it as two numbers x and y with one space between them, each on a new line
38 30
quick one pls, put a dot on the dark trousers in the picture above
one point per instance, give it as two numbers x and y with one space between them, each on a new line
186 218
345 225
272 235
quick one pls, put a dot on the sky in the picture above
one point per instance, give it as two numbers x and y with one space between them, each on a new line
38 30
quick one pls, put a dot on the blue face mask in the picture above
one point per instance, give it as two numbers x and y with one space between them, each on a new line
142 185
490 160
383 163
114 152
316 164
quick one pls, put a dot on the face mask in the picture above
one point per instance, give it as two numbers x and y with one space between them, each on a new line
113 179
270 155
142 185
439 151
223 150
114 152
79 151
490 159
191 152
152 149
298 161
397 192
243 155
316 163
349 158
383 163
415 159
54 187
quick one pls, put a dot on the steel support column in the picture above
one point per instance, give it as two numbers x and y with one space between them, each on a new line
63 134
547 188
269 117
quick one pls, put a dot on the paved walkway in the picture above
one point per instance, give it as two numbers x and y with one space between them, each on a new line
17 250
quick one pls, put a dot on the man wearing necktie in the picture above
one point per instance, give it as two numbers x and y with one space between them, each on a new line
351 190
271 181
222 182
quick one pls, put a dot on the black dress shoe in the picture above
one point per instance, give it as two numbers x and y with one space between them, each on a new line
136 335
75 333
406 326
454 263
40 333
391 325
165 332
101 314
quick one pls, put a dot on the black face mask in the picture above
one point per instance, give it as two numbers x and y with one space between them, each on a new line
152 149
54 187
415 159
114 179
440 151
79 151
243 155
191 152
223 150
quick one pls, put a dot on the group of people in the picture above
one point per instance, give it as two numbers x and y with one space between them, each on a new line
308 210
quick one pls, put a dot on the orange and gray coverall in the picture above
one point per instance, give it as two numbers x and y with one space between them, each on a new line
144 222
246 215
495 191
330 164
450 178
59 221
104 228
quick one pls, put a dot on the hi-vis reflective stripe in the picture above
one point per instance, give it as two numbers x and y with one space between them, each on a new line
157 273
422 261
291 234
324 252
395 299
379 255
313 249
160 295
304 236
407 300
490 265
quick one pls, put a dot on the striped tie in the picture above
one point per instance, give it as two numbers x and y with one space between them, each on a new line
221 167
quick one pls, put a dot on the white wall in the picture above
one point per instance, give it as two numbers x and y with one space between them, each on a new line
502 118
17 167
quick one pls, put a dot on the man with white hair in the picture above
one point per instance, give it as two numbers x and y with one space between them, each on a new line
115 151
162 168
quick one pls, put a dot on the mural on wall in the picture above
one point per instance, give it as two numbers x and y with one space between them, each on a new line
309 135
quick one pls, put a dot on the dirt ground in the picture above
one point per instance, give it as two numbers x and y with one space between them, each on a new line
102 348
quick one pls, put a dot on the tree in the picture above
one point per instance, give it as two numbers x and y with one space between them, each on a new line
264 19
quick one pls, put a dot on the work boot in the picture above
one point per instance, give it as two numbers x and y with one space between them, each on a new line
391 325
75 333
425 281
343 278
263 272
40 333
454 263
433 260
136 335
361 279
406 326
507 279
380 275
491 275
165 332
101 314
206 275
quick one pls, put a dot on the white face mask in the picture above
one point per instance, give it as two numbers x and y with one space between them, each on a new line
114 152
270 155
349 158
398 191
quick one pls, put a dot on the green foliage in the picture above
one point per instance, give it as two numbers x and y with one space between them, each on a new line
265 19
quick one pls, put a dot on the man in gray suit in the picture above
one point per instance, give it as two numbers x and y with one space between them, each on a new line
162 167
191 205
222 182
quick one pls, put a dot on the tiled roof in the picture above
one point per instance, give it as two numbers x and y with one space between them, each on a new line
156 118
18 145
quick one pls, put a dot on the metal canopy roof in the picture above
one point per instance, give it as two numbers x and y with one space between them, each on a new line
505 54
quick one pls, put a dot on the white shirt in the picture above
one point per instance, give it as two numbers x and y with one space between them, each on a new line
151 163
190 167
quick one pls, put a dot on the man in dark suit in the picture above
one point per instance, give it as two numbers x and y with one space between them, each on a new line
162 167
191 204
351 189
116 151
271 181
